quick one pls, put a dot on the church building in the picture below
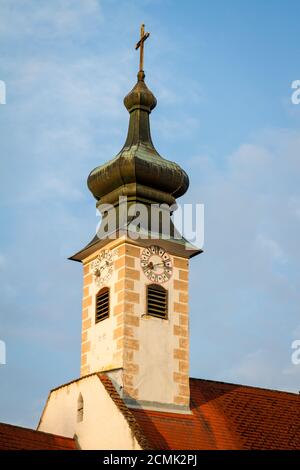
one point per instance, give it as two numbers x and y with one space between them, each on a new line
135 391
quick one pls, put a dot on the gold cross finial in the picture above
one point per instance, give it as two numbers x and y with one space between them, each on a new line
140 45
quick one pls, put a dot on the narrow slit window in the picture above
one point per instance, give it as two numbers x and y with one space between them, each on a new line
80 408
157 301
102 304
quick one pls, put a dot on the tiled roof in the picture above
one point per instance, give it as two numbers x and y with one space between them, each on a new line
226 416
17 438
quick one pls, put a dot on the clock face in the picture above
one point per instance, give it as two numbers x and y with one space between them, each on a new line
103 267
156 264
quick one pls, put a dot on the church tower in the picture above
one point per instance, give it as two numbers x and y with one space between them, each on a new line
133 392
135 316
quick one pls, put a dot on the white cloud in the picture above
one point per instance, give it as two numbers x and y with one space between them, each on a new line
55 19
270 247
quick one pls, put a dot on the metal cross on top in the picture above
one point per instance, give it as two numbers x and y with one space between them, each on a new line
140 45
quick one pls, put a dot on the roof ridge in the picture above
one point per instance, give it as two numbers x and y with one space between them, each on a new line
294 394
126 412
35 431
73 381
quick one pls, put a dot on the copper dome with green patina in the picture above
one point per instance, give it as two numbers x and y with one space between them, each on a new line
138 171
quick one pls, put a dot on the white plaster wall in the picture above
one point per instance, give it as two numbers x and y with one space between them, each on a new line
155 359
157 343
103 425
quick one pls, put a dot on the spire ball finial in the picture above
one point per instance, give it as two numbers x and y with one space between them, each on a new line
141 76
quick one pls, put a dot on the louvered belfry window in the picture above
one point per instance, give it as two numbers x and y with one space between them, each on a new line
102 304
157 301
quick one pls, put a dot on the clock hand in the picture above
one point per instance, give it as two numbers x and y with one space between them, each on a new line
106 264
154 266
100 269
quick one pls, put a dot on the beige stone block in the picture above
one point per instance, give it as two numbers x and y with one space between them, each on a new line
86 347
118 332
128 356
118 309
121 273
84 336
180 378
131 368
87 280
87 302
86 291
183 320
122 250
130 262
132 320
86 269
124 307
184 343
183 275
86 324
183 390
184 298
131 343
181 354
183 367
128 331
119 263
133 274
132 250
181 285
85 313
129 308
120 319
125 262
120 285
129 284
128 296
124 284
179 400
180 331
181 308
181 263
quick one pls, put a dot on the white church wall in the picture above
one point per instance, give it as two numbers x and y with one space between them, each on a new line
103 426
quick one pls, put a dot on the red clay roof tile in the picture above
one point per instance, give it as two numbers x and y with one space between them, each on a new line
226 416
18 438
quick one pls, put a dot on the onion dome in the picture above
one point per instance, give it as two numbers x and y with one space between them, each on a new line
138 171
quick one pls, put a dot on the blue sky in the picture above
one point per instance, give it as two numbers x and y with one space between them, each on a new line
222 74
